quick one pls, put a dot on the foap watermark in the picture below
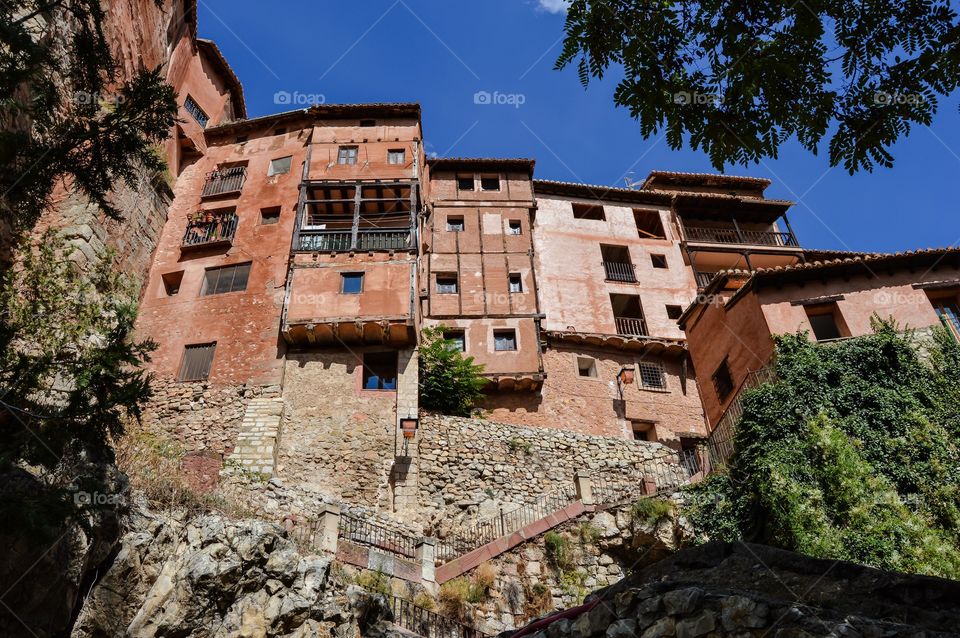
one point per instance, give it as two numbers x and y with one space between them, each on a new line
900 298
96 499
696 99
885 98
87 97
296 98
516 100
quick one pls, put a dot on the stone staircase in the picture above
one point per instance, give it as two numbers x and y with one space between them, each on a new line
259 436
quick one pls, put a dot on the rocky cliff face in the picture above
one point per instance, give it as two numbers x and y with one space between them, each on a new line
745 590
213 576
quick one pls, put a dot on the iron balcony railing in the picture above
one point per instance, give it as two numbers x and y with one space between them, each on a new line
210 229
703 278
371 534
634 326
620 271
224 181
339 241
720 443
739 236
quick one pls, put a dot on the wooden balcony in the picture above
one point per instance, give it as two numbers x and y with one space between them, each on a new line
223 182
633 326
208 230
343 241
620 272
708 235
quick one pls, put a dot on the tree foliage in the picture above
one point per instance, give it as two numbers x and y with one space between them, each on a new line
852 454
449 382
64 115
738 79
70 373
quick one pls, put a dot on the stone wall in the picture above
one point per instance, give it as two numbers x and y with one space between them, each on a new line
471 467
204 417
336 437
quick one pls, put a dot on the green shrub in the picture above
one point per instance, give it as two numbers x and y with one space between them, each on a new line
851 454
559 553
588 533
449 382
649 511
375 581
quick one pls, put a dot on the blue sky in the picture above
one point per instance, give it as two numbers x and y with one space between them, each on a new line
442 54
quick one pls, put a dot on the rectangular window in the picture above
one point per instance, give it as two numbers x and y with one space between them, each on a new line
270 215
446 284
504 340
587 367
648 223
516 282
651 375
454 224
658 261
396 156
588 211
196 112
347 155
351 283
489 183
458 339
644 430
824 324
225 279
514 227
171 282
674 312
196 362
949 313
380 371
280 166
465 182
722 381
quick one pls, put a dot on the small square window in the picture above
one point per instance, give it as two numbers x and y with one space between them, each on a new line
659 261
171 282
455 224
196 363
347 155
270 215
648 223
225 279
489 183
673 311
514 227
351 283
280 166
457 339
516 282
504 340
588 211
651 375
380 371
465 182
824 325
446 284
722 381
644 430
396 156
587 367
367 123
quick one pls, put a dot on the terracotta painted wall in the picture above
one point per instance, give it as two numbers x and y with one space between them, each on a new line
478 334
592 405
573 293
245 324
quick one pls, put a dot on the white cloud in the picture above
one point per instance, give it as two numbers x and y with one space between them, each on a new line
555 6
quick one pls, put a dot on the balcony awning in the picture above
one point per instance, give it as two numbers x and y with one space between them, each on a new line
646 345
394 331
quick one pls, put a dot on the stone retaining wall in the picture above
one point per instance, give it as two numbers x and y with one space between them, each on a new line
471 467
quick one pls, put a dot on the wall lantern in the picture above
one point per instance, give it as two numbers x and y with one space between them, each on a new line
625 376
409 427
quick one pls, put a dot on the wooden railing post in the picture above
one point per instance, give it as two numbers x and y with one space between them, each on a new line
584 488
328 528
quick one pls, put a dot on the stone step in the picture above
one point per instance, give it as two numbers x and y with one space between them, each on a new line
256 444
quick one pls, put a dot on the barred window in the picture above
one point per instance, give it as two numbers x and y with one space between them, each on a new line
196 112
197 359
651 375
225 279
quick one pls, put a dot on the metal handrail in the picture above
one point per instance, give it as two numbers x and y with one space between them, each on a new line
343 240
221 228
720 235
428 624
366 532
635 326
720 441
620 271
